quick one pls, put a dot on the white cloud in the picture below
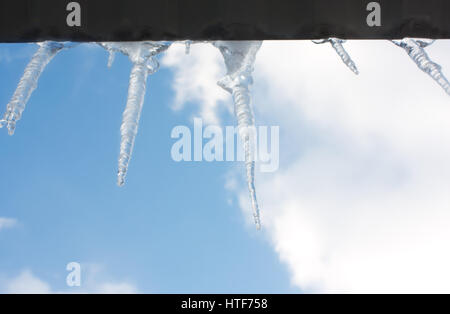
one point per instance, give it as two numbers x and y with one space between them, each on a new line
7 223
116 288
95 281
195 79
27 283
361 201
92 282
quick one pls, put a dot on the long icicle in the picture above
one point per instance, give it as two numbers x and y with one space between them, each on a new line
337 45
142 55
28 83
239 60
131 116
415 49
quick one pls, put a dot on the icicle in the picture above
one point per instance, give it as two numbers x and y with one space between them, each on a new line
111 48
28 83
239 58
142 55
131 115
187 45
111 57
336 43
415 49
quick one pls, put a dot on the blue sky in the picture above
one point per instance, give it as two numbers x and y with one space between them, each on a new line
172 227
360 202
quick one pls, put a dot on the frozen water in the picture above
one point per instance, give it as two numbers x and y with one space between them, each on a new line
187 45
28 83
415 49
239 59
336 43
142 55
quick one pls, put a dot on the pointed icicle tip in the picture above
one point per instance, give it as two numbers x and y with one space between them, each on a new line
10 123
11 128
120 178
111 58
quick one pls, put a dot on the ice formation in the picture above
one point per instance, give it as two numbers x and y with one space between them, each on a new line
142 55
28 83
239 59
415 49
336 43
187 45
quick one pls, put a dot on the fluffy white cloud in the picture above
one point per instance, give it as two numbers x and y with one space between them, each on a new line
92 282
361 202
363 206
116 288
195 81
7 223
27 283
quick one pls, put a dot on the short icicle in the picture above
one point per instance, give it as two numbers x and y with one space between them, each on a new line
415 49
337 45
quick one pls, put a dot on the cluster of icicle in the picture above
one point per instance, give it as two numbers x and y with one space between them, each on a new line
239 57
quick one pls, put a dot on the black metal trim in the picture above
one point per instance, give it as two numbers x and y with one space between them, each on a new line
135 20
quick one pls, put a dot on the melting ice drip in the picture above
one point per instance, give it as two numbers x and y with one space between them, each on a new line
239 57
